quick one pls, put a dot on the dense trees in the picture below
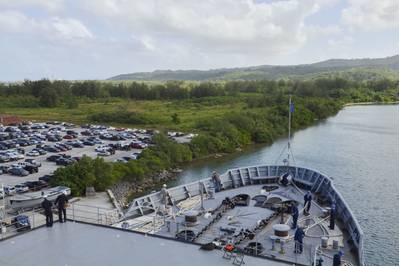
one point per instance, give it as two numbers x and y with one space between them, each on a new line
47 93
87 172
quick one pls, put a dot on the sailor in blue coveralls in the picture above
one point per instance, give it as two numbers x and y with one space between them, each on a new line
333 213
295 215
298 237
308 201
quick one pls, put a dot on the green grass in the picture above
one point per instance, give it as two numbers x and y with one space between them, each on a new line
189 111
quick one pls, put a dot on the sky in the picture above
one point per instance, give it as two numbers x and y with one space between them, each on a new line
97 39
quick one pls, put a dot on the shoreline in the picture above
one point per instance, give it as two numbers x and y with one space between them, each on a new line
371 103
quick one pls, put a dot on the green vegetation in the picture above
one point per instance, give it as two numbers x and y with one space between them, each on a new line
225 115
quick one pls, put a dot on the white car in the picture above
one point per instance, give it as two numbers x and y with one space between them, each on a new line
9 191
15 156
19 165
97 141
103 153
33 153
101 148
134 155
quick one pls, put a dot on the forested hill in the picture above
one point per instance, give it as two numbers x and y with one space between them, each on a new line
358 69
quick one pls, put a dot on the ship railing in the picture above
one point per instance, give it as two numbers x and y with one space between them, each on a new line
10 227
92 214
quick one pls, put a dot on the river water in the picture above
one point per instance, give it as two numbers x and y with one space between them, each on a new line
359 149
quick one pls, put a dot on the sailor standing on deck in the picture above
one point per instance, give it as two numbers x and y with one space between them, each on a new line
295 215
333 213
46 205
164 196
61 203
216 181
337 258
298 237
308 201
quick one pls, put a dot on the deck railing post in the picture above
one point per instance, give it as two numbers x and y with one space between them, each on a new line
33 218
98 215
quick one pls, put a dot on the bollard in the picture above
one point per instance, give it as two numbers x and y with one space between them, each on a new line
282 251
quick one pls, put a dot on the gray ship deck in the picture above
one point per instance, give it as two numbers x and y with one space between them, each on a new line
84 244
77 244
246 217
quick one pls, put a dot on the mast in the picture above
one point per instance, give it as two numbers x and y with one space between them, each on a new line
290 110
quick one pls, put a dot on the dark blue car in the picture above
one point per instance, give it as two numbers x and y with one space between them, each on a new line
22 223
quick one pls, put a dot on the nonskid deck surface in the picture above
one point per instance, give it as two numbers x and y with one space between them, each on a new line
77 244
247 217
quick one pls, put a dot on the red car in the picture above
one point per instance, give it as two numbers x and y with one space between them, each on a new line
69 137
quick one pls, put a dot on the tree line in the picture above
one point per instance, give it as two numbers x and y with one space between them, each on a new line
46 93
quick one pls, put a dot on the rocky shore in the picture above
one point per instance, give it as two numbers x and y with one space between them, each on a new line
124 191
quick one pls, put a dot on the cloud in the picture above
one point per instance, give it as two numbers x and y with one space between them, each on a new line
106 37
69 28
235 26
49 5
14 23
372 15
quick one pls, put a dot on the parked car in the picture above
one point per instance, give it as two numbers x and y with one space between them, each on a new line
60 148
21 188
77 144
51 149
21 222
33 162
31 168
103 153
35 185
101 148
4 158
54 158
86 133
64 161
66 146
9 190
88 143
135 155
33 153
70 137
138 145
4 168
40 151
18 171
46 178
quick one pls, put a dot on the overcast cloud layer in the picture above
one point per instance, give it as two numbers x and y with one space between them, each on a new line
90 39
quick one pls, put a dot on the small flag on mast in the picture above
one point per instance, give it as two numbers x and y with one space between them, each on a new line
292 108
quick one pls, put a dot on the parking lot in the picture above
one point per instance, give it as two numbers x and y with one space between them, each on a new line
65 143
